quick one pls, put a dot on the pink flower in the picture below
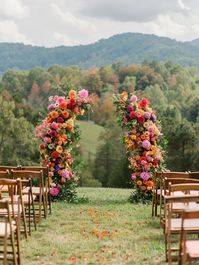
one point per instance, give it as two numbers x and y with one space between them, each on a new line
144 176
149 158
65 173
51 106
83 93
150 129
50 174
54 125
143 162
133 176
54 191
146 144
147 115
60 100
133 98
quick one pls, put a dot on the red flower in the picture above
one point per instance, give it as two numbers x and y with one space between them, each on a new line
143 103
54 154
71 103
133 115
42 146
141 119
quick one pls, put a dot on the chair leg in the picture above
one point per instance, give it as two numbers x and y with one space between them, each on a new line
18 246
34 216
5 262
49 200
13 248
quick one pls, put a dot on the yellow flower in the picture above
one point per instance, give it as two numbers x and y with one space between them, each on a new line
64 125
59 149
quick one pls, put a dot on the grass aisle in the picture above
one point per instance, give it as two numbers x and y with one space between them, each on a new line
106 230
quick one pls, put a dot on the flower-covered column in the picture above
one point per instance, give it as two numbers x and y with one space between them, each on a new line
142 140
58 133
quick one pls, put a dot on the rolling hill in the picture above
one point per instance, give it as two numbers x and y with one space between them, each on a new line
126 47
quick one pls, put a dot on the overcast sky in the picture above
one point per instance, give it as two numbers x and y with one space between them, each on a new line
71 22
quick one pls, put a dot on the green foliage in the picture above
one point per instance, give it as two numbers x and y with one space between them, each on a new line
17 144
111 167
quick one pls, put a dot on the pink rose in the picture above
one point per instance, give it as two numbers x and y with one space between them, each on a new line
54 125
147 115
146 144
83 93
60 100
133 98
133 176
54 191
65 173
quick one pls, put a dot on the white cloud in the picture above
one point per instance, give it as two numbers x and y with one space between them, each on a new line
10 33
69 22
13 9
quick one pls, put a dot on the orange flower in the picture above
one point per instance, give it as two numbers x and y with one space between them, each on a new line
142 136
54 114
143 188
150 183
49 119
65 114
63 105
124 95
139 182
72 94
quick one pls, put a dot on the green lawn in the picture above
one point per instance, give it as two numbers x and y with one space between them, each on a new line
90 133
106 230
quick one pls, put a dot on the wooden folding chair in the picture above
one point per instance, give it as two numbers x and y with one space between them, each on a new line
9 235
46 184
14 196
37 189
157 179
174 206
189 247
164 187
28 198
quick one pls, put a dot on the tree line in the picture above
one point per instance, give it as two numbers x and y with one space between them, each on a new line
173 91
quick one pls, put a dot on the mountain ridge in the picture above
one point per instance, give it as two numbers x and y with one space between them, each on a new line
125 47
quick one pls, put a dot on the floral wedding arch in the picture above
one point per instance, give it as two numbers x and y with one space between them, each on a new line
59 133
142 136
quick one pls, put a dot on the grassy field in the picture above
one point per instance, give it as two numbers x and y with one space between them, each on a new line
90 133
106 230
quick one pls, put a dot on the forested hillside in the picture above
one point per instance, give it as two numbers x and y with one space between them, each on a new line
172 90
127 48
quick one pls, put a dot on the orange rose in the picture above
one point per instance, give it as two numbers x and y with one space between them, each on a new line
72 94
139 182
150 183
63 105
143 188
49 119
54 114
65 114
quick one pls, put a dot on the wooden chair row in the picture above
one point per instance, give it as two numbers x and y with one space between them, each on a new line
160 186
28 199
181 201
